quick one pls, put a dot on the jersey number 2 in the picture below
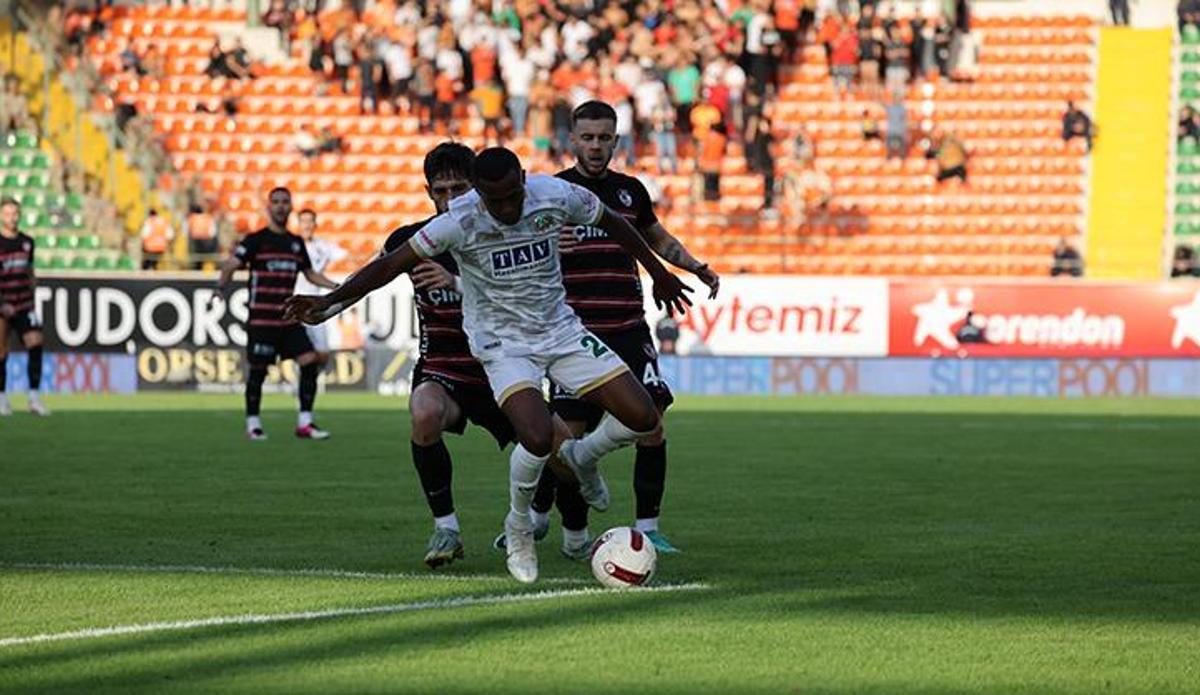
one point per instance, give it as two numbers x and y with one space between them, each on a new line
592 343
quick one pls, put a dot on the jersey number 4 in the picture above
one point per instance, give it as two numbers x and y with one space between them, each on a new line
591 342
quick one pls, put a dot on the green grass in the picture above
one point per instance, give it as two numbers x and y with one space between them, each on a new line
852 546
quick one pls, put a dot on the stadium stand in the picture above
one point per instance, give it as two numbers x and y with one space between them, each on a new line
1026 187
1187 153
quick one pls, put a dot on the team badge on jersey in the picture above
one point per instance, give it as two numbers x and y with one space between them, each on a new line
543 222
625 197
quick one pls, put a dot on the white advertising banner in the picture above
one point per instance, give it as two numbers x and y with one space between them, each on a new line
779 315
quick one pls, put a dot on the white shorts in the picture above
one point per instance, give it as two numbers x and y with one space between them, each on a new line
579 364
318 335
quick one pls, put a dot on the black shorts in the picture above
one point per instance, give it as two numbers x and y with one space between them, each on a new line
636 349
265 345
23 322
476 402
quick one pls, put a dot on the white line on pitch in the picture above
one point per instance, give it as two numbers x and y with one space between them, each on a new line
270 572
302 616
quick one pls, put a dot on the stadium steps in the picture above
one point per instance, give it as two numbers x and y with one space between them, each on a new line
1129 161
1024 179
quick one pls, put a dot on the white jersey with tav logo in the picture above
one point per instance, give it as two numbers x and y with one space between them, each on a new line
513 297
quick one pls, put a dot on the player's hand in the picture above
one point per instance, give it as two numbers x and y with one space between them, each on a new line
306 308
568 239
670 293
708 277
429 275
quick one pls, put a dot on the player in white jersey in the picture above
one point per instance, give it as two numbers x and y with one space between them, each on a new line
321 253
504 236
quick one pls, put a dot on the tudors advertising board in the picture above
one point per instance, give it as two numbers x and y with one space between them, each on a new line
1044 319
120 313
182 338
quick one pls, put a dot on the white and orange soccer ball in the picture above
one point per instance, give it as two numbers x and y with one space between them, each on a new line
623 557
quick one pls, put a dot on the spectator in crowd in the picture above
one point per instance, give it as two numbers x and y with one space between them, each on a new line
1067 260
202 232
897 127
870 57
943 40
897 53
154 63
1189 15
448 89
398 69
540 121
130 60
233 64
1189 124
843 59
14 108
1077 124
425 92
667 332
280 18
760 153
156 235
329 142
970 333
683 80
306 142
711 155
488 101
518 70
1184 262
662 128
370 75
626 149
807 190
343 58
1120 12
870 126
964 65
951 157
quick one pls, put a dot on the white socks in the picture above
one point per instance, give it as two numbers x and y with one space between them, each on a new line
608 436
450 521
574 538
253 423
646 525
524 469
304 419
35 398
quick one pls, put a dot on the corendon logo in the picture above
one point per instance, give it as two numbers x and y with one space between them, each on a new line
938 318
825 318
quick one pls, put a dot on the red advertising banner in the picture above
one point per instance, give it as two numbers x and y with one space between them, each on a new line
1043 319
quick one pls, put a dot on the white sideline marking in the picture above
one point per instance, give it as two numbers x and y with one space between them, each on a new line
270 572
252 619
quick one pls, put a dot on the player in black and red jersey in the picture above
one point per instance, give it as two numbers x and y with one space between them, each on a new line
275 257
604 289
17 311
450 387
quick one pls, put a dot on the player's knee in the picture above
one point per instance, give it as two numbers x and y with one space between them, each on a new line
258 375
427 422
643 418
538 441
656 437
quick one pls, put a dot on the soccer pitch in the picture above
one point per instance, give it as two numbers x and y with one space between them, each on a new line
830 546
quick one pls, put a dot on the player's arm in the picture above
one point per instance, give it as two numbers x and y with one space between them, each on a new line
228 268
668 289
369 278
319 279
674 252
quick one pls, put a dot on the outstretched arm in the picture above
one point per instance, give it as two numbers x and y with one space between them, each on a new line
371 277
668 290
319 279
674 252
228 267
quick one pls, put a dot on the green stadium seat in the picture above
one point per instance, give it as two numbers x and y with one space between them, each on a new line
39 161
29 219
33 199
44 241
11 181
41 261
1189 57
58 262
1187 148
74 201
1189 93
68 241
1190 76
81 263
125 263
1190 35
103 263
26 141
89 242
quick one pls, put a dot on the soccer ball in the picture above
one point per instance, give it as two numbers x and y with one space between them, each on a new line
623 557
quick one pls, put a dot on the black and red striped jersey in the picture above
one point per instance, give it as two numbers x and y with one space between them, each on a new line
443 344
601 278
16 271
274 261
